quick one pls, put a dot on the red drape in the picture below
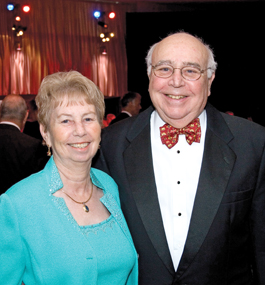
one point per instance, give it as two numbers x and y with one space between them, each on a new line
62 35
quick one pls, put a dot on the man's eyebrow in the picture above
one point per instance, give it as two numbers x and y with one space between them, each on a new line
186 63
164 62
194 64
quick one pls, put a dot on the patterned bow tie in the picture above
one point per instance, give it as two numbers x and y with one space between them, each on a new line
170 135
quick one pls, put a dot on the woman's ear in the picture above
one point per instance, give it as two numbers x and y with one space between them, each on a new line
45 135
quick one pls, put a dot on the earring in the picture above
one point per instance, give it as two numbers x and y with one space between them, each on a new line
49 151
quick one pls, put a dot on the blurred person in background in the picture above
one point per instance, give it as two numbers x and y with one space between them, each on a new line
20 154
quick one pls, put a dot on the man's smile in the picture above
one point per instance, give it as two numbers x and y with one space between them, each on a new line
178 97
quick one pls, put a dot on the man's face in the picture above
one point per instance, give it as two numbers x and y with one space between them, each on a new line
177 100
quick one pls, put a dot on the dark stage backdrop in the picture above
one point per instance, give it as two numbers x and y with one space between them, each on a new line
236 33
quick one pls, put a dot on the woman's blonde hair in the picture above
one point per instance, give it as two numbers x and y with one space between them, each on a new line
72 85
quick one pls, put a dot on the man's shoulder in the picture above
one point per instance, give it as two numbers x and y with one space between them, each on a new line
12 131
130 124
238 127
239 122
28 141
122 115
9 128
20 144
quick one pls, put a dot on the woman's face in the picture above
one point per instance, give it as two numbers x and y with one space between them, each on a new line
73 132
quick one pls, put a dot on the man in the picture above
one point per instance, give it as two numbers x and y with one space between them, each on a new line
130 106
20 154
194 202
32 127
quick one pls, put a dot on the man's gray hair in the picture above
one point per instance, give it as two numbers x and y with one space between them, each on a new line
13 107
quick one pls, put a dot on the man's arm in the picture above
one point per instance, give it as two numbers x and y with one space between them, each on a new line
257 221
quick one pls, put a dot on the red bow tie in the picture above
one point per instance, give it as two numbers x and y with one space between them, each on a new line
170 135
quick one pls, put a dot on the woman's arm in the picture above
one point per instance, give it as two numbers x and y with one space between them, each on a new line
12 259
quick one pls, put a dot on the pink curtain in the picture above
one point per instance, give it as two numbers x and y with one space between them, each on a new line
62 35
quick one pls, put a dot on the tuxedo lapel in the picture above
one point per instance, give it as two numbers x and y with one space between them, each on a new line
144 190
218 161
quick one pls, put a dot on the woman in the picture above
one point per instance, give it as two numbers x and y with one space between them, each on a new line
64 225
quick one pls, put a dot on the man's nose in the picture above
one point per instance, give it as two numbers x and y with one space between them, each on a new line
176 79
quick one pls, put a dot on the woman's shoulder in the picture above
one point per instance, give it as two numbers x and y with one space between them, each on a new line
102 180
27 186
101 176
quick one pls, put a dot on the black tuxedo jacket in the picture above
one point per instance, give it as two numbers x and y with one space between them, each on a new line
120 117
226 237
20 156
33 129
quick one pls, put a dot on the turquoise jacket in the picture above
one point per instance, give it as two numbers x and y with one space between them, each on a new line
40 244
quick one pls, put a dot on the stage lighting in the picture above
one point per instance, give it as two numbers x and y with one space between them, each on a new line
102 24
26 8
10 7
20 31
18 18
105 37
97 14
112 15
14 28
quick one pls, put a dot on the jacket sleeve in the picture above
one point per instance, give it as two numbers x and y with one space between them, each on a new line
12 259
257 223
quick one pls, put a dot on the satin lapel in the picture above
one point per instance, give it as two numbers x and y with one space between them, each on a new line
140 174
218 161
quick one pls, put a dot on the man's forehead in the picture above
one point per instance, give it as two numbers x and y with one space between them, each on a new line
181 48
181 39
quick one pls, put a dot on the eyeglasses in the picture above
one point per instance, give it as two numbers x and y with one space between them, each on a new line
187 72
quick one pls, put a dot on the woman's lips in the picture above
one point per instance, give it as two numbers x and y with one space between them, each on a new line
79 145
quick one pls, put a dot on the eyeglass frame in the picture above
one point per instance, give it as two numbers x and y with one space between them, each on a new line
180 68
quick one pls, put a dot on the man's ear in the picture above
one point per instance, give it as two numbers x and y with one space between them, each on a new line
24 121
210 81
26 117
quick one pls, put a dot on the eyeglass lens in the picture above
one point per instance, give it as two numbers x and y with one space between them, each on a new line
187 72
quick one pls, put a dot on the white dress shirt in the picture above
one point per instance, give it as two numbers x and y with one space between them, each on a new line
177 172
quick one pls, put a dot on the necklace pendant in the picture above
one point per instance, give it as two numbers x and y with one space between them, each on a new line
86 209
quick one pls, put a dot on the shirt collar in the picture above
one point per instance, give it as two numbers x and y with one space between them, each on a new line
157 122
129 114
10 123
56 183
